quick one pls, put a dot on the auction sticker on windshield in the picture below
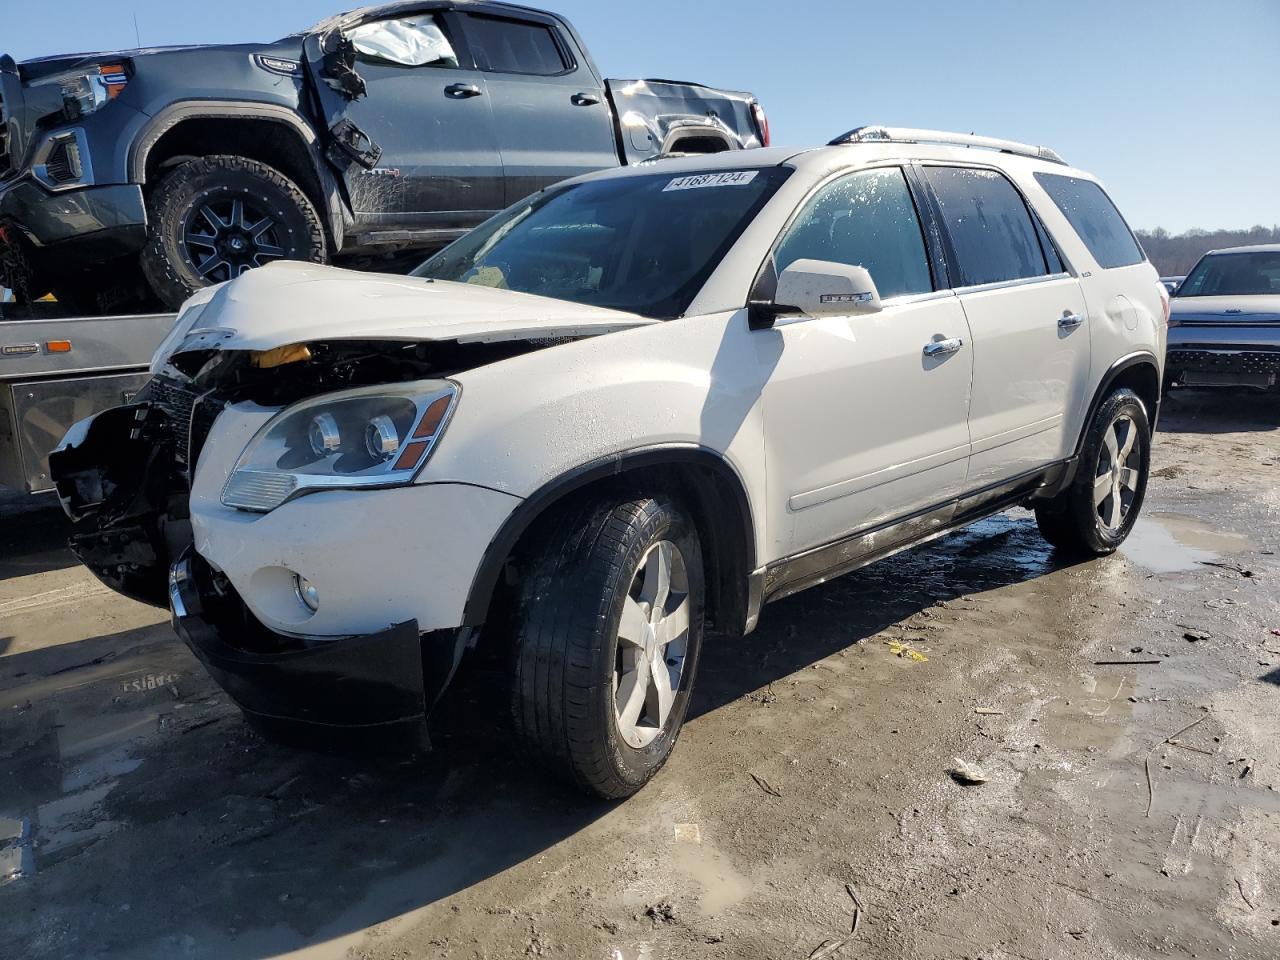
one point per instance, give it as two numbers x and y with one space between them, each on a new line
734 178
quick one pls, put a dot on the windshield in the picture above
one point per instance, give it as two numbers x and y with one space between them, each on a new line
643 244
1233 275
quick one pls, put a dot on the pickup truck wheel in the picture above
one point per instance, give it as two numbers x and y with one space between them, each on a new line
608 633
1097 511
216 217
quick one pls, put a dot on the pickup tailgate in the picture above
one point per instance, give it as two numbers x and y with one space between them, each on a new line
653 115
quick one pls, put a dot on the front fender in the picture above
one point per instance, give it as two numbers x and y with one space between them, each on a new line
693 382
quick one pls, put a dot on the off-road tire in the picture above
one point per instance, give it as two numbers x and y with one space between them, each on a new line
1070 521
172 273
566 637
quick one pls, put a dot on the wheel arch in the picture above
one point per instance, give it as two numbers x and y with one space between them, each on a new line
697 138
1139 372
710 487
268 133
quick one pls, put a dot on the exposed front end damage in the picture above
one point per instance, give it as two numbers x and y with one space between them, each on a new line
121 477
126 477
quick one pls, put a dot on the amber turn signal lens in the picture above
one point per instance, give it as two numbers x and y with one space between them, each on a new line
411 454
58 346
430 421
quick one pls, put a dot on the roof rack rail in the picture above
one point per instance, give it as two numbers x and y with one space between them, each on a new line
878 134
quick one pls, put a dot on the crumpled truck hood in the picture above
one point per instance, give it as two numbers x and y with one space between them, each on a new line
289 302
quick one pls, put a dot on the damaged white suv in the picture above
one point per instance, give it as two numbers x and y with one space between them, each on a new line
617 419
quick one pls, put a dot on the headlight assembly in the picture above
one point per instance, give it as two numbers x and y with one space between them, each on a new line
87 90
369 437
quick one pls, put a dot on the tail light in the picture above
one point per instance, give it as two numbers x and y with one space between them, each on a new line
762 123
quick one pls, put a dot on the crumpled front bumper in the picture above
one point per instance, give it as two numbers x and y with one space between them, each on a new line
374 680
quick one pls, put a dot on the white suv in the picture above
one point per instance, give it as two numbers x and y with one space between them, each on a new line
620 417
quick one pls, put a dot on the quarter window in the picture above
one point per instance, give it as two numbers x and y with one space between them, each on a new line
991 232
1095 218
866 219
513 46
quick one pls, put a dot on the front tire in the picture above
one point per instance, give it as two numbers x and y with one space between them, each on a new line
1097 511
609 629
216 217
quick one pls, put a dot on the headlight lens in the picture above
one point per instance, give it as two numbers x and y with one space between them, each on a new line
86 92
370 437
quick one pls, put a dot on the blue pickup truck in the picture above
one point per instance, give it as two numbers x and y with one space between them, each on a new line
130 179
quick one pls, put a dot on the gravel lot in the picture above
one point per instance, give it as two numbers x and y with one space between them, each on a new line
1130 811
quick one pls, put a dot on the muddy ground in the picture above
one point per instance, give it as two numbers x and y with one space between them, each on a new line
139 817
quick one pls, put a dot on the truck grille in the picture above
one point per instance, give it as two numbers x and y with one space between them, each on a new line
190 417
177 402
1225 361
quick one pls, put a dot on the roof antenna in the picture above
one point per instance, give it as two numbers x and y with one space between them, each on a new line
136 35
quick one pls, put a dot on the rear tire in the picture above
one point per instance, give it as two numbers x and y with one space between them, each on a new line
597 632
1097 511
215 217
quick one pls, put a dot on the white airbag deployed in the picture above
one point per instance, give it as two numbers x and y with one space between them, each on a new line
411 41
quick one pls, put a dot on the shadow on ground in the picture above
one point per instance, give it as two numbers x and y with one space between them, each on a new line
1190 410
33 535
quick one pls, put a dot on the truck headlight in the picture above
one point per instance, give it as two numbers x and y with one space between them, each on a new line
87 90
368 437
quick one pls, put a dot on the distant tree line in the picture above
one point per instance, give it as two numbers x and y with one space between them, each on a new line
1175 254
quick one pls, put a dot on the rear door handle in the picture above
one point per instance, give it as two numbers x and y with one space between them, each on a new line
942 348
460 91
584 99
1069 320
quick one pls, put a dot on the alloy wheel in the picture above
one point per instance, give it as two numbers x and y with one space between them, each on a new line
225 236
1116 480
653 639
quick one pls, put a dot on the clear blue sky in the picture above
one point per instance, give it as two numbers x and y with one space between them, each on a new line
1174 104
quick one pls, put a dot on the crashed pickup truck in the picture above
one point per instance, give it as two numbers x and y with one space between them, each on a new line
144 175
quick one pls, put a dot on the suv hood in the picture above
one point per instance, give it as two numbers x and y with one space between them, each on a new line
289 302
1260 308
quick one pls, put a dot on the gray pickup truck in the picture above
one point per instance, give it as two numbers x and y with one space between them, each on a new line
130 179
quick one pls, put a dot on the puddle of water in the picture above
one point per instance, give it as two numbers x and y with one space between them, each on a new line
721 885
1170 543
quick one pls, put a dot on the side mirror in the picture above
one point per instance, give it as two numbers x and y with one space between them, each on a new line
818 288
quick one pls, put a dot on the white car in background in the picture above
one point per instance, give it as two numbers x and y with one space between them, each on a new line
1224 326
618 418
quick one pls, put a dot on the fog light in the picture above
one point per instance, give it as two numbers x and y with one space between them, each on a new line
307 593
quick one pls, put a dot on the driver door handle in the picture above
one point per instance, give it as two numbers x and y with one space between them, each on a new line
584 99
461 91
943 348
1069 320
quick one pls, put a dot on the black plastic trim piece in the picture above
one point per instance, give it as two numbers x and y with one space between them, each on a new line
1104 389
865 546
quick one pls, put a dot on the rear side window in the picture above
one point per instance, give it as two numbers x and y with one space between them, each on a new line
1095 218
991 230
513 46
868 220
